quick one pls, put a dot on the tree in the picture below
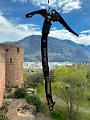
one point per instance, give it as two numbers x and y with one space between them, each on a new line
26 74
34 79
70 82
87 95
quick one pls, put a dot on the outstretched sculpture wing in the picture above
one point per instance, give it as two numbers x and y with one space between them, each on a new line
42 12
55 16
62 21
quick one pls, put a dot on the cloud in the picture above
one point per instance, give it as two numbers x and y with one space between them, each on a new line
11 32
83 38
69 6
86 32
64 5
1 13
22 1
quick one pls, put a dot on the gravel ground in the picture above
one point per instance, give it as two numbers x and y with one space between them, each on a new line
14 115
40 116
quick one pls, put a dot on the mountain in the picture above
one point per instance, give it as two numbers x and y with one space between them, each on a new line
59 50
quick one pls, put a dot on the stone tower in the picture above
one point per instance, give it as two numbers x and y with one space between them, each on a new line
13 65
2 75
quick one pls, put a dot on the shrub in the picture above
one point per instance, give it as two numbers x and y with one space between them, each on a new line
34 79
4 110
20 93
8 89
3 116
35 101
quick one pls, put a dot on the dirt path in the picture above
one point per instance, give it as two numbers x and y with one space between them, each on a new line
40 116
61 102
14 115
81 109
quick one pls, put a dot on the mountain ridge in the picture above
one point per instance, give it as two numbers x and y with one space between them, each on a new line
58 50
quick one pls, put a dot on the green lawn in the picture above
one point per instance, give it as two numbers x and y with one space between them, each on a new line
59 113
85 116
40 90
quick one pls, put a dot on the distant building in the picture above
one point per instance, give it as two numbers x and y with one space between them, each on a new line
11 66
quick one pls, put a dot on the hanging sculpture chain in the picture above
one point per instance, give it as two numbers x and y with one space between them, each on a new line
50 16
48 2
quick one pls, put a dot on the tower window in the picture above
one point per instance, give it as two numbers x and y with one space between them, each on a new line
7 50
8 82
17 49
10 60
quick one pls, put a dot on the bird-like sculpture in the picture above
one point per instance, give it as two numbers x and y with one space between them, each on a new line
49 17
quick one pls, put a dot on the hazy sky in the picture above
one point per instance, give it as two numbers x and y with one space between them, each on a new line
14 25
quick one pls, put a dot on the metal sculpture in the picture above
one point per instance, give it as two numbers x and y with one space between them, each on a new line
50 16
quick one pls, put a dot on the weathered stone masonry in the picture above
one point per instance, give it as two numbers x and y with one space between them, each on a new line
2 74
11 66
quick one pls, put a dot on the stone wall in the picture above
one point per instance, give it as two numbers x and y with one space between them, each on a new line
13 65
2 75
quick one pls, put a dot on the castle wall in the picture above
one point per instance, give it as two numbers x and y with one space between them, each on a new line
2 75
13 65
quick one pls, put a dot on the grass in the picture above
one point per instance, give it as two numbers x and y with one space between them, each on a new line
86 99
59 113
85 104
85 116
40 90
